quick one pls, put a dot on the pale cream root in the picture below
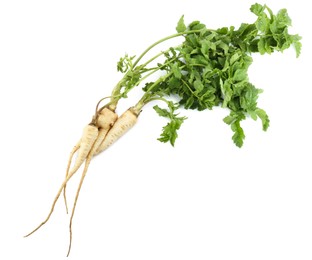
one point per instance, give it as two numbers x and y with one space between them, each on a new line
125 122
74 150
88 138
106 118
90 134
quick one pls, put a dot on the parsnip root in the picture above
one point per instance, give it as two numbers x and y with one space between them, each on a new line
93 136
88 138
105 138
105 120
125 122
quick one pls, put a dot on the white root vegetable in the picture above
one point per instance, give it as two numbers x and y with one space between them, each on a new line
92 137
90 134
105 120
125 122
83 147
88 138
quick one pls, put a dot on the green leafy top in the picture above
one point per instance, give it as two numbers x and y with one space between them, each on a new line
170 130
210 68
181 26
273 30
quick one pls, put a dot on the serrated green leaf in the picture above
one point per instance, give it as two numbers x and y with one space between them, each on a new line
239 135
240 75
261 46
176 70
229 119
248 97
197 26
122 64
283 19
205 46
198 85
235 57
223 30
174 83
252 114
181 25
161 112
169 133
297 44
224 46
263 23
199 59
264 118
274 28
227 92
189 102
257 9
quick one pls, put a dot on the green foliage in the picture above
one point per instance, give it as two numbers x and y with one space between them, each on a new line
125 63
169 131
210 68
214 66
264 118
234 120
273 30
132 74
181 26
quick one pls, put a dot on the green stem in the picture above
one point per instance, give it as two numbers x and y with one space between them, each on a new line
158 55
147 75
116 94
187 85
157 98
147 97
160 41
116 91
154 58
155 70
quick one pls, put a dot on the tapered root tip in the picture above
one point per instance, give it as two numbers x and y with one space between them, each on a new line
31 233
69 248
37 227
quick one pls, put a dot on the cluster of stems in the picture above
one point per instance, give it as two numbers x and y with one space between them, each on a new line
145 72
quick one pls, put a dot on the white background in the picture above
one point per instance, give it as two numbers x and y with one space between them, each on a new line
203 199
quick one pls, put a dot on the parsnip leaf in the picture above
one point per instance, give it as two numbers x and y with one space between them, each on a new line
170 130
181 26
